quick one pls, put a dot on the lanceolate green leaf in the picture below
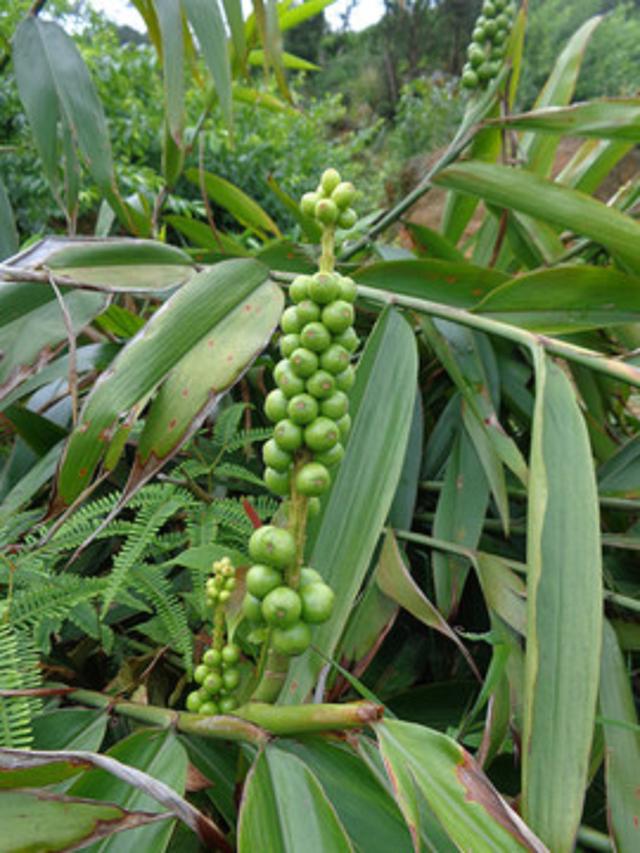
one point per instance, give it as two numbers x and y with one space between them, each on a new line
8 233
206 19
233 12
169 15
290 16
285 807
426 763
606 119
244 209
622 744
172 332
592 163
542 199
564 626
382 406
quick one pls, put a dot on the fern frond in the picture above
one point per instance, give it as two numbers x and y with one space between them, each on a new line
18 671
14 527
248 436
238 472
227 424
150 582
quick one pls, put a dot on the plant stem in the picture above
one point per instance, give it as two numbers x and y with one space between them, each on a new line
327 258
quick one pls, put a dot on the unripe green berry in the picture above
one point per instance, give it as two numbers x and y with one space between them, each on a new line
288 382
261 580
303 409
497 52
322 434
209 708
231 652
212 658
347 288
313 507
500 36
479 36
337 316
213 682
345 380
343 194
321 385
275 405
485 71
225 594
470 79
335 359
290 322
292 641
230 584
193 702
312 479
335 406
490 29
324 288
308 311
272 546
200 673
252 608
309 575
308 203
476 54
299 288
488 9
330 180
317 602
288 344
278 482
347 339
228 704
503 22
275 457
314 336
303 362
287 435
281 607
326 211
344 426
347 219
231 679
330 457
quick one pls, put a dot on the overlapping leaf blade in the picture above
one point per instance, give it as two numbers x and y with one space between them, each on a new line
206 19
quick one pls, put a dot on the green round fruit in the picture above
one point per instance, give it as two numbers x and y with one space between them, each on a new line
275 457
326 211
290 322
231 679
225 594
497 53
481 21
309 575
312 479
213 683
314 336
231 652
344 194
344 426
321 435
299 288
275 405
287 435
281 607
476 54
304 362
313 507
335 406
228 704
193 702
308 203
321 385
330 457
261 580
292 641
308 311
272 546
212 658
338 316
347 288
500 37
288 382
347 339
345 380
335 359
488 9
200 673
479 36
317 602
252 608
278 482
324 288
503 22
347 219
288 344
209 709
230 584
490 29
302 408
330 181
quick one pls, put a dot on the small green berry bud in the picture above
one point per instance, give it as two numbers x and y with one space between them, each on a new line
313 479
287 435
343 194
275 405
304 363
275 457
326 211
308 203
329 181
299 288
322 434
308 311
302 409
347 219
314 336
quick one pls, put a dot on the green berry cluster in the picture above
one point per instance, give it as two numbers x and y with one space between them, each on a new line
331 203
488 46
270 603
217 675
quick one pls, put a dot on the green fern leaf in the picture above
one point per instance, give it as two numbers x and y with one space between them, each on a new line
18 671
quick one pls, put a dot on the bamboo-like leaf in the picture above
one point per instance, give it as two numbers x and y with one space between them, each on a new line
622 738
566 299
608 118
70 728
620 474
185 319
592 162
564 626
206 19
289 60
8 233
284 806
542 199
463 800
200 234
372 465
233 12
169 15
244 209
426 241
290 16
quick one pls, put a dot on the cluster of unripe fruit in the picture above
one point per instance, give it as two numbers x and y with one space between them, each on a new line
331 203
489 43
271 603
217 675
